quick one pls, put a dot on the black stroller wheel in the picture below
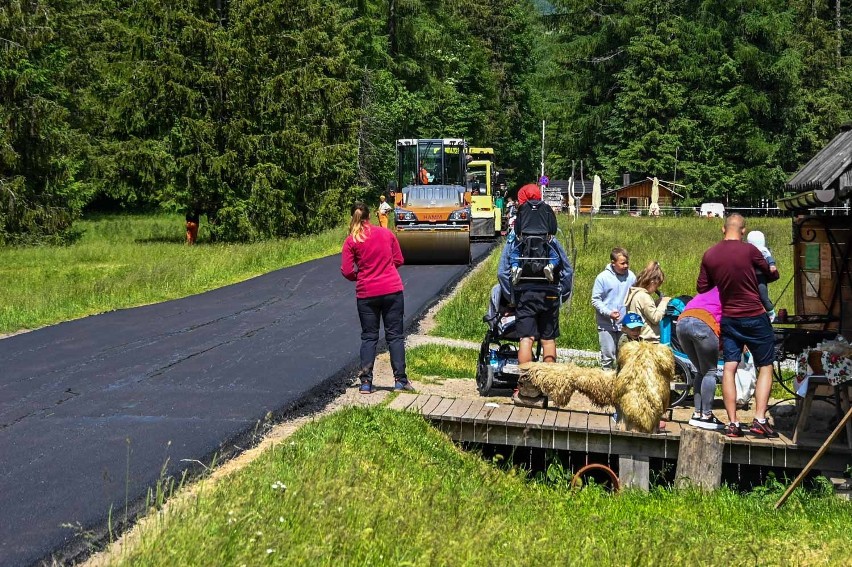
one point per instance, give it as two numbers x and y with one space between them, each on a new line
484 372
484 378
681 384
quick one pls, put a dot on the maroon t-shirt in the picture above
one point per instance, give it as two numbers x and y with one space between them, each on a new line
730 265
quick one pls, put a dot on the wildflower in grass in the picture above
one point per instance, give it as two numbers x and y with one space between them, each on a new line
278 485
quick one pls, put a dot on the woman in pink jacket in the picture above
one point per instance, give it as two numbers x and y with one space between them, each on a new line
370 258
698 333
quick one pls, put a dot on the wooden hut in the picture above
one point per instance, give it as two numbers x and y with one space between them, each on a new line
822 265
636 196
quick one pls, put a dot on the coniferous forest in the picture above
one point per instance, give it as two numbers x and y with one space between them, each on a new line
269 117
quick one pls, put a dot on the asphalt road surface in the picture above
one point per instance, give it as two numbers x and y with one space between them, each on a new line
92 409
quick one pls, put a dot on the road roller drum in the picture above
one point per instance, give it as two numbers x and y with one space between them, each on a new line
435 246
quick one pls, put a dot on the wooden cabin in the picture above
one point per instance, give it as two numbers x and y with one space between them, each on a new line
636 196
819 202
633 197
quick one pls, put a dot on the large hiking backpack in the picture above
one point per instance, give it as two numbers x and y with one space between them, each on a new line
535 223
534 252
535 217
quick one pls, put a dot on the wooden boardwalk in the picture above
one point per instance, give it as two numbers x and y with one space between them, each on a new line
478 421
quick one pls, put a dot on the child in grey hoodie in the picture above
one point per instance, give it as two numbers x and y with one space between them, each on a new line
758 240
608 294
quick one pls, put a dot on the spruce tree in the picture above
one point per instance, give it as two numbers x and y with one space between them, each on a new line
39 158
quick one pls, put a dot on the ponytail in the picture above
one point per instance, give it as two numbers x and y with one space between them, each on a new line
360 217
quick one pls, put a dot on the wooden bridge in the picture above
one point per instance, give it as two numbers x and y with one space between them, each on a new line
479 421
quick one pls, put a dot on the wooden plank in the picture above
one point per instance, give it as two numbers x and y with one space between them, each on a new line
501 414
563 419
519 416
430 405
548 429
549 421
536 417
421 401
599 423
561 427
699 460
402 402
579 420
457 410
480 424
676 428
634 471
472 411
441 408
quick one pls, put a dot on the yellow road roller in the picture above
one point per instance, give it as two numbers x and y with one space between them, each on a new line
432 204
482 182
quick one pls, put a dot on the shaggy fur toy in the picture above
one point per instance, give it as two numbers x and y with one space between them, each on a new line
640 389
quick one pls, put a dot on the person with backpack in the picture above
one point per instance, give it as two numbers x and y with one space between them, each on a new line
537 307
535 226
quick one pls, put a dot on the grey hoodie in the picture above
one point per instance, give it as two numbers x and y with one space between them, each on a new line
608 295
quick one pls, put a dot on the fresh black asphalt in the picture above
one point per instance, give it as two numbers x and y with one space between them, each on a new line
91 410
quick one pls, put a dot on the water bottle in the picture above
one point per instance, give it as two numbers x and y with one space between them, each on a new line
492 360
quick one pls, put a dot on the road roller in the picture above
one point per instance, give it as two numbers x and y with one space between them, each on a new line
486 216
432 217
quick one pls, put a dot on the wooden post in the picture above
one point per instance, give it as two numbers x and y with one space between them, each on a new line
699 460
633 471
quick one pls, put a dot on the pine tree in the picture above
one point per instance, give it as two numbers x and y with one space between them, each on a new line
39 161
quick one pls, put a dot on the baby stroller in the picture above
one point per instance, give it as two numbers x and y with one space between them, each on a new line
497 365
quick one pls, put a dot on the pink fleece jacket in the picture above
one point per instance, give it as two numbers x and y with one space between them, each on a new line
372 264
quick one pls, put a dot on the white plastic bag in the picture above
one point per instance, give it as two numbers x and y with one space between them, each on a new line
746 379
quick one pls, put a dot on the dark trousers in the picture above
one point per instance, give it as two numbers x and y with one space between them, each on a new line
389 309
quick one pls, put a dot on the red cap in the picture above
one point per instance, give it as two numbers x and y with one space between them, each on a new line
527 192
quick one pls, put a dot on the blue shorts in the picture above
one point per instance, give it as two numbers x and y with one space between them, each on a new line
754 332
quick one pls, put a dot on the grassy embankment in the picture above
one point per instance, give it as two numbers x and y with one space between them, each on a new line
375 487
123 261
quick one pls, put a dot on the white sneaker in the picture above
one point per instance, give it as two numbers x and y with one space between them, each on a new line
548 272
516 275
709 422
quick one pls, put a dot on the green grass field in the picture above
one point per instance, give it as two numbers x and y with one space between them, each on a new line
124 261
377 487
677 243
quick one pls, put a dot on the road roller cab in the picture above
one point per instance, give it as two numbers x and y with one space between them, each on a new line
432 217
486 217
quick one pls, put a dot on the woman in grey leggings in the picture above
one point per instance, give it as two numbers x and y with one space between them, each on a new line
698 333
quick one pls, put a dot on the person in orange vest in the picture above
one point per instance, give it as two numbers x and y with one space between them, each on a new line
424 175
384 209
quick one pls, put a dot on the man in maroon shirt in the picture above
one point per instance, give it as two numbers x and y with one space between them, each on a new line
730 265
